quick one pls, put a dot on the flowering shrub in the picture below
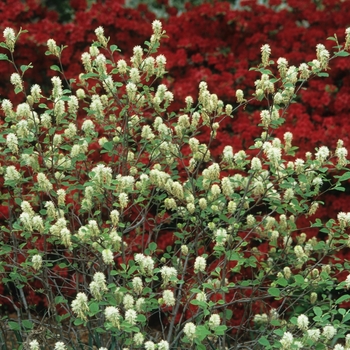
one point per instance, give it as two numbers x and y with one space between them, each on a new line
122 220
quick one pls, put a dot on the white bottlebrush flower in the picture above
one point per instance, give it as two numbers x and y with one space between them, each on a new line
122 66
44 183
16 81
34 345
168 273
131 90
160 62
112 315
128 301
304 70
190 330
149 345
239 96
88 126
347 281
314 334
157 27
57 90
135 75
214 321
139 339
80 305
102 175
139 305
100 36
98 285
322 154
61 196
265 54
329 332
12 142
137 285
12 174
168 297
287 340
60 346
163 345
114 217
37 262
123 200
107 256
201 296
93 50
7 106
303 322
10 38
131 316
347 338
200 264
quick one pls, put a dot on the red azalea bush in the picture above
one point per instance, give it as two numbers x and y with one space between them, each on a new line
116 192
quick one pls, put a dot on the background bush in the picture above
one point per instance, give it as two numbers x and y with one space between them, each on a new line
221 57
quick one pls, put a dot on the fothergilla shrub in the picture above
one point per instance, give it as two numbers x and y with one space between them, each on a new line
124 229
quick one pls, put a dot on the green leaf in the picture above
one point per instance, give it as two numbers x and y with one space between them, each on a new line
55 68
99 330
78 322
60 300
342 298
275 292
27 324
263 341
299 279
220 330
152 246
199 346
108 146
14 326
342 53
317 311
228 314
114 48
202 332
345 176
24 67
141 318
282 282
90 75
322 74
265 71
3 57
94 307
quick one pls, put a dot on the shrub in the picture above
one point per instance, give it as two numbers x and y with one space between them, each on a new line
123 222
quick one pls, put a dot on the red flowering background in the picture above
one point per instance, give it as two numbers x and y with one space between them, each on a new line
210 42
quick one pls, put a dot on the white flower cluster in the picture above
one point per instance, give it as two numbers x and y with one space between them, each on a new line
146 264
200 264
169 274
322 56
344 219
80 305
98 285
